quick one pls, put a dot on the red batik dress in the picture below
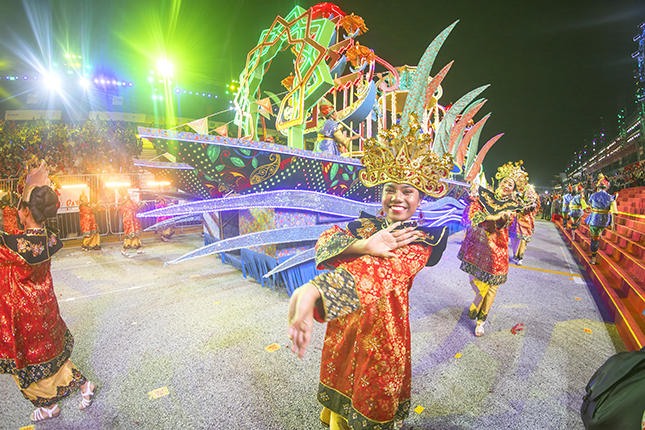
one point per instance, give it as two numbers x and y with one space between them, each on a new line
484 250
523 224
365 369
91 238
131 224
35 344
10 220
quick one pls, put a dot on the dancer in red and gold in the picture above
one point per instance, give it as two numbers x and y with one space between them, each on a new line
91 238
523 225
36 344
365 374
131 224
10 212
484 251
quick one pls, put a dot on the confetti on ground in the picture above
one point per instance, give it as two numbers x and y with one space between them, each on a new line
159 392
134 323
419 409
578 298
195 276
517 328
571 279
587 330
217 303
273 347
457 355
27 428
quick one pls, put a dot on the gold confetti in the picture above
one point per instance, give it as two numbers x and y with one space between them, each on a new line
419 409
587 330
159 392
273 347
457 355
195 276
134 323
217 303
578 298
27 428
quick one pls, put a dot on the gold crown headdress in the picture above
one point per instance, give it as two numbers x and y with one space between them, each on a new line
516 172
405 159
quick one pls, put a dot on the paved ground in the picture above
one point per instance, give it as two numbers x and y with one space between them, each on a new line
200 330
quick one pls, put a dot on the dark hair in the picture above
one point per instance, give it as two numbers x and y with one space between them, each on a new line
43 203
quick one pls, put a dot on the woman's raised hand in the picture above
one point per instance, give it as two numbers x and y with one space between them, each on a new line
301 317
387 240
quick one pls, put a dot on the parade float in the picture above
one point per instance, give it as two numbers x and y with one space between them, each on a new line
264 204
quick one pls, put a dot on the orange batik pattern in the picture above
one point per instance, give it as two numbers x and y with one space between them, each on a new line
365 370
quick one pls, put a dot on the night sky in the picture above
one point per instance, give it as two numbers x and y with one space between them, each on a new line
555 68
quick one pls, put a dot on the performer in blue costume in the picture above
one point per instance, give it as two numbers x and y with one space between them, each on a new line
566 199
577 205
601 204
331 139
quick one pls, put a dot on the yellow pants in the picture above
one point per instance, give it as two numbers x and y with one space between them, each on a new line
49 391
484 298
134 243
92 242
335 421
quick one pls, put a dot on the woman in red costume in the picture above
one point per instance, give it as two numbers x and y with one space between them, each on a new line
365 373
91 238
523 225
131 224
10 212
484 250
36 344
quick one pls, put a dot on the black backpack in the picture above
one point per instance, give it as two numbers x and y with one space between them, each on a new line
615 398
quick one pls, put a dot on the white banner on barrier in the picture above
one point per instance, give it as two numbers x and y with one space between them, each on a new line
68 198
31 114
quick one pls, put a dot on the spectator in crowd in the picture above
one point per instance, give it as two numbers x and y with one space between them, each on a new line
69 148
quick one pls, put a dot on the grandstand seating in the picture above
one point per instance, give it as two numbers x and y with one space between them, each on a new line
619 274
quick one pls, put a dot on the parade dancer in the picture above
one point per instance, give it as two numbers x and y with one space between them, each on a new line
36 343
602 204
365 375
131 224
484 250
523 225
566 199
577 206
9 204
331 139
89 227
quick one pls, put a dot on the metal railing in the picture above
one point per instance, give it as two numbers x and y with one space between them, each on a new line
109 221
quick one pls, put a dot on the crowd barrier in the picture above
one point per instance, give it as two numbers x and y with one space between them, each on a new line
108 219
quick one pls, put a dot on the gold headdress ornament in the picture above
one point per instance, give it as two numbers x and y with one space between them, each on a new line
34 177
405 160
529 193
82 197
602 181
516 172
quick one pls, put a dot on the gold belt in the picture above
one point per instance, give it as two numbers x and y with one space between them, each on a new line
600 211
576 207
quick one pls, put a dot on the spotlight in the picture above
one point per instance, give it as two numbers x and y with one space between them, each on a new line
209 95
203 94
52 81
165 68
85 83
123 83
154 97
190 92
151 79
103 81
24 77
177 90
130 84
96 81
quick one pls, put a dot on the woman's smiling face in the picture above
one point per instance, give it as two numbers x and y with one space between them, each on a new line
506 187
400 201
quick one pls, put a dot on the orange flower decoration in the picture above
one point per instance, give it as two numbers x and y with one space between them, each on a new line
288 82
357 53
352 22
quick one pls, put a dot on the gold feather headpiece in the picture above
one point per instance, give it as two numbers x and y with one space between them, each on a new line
516 172
405 159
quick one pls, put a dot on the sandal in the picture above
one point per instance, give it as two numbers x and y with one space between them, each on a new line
90 392
141 251
124 252
479 330
38 415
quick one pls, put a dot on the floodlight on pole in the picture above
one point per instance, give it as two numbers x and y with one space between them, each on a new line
165 68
